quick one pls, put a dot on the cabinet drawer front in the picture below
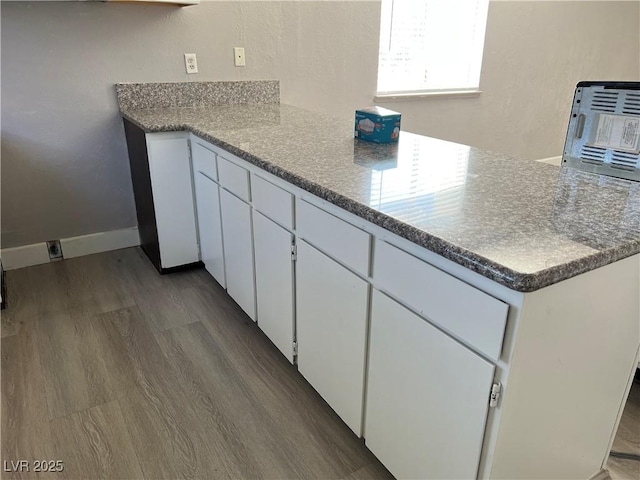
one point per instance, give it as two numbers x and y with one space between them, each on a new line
204 160
272 201
233 178
346 243
459 308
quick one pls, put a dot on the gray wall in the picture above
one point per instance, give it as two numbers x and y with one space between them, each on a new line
535 53
64 160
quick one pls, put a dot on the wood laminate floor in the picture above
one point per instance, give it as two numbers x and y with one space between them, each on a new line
122 373
627 439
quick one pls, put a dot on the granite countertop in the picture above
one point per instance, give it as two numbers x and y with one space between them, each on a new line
521 223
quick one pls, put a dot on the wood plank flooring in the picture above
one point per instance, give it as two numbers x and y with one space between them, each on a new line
627 439
122 373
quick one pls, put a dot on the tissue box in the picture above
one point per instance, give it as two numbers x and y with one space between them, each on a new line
377 124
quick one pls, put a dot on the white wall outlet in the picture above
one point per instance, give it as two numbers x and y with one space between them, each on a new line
238 56
190 63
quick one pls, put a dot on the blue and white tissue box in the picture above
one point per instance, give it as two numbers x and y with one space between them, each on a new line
377 124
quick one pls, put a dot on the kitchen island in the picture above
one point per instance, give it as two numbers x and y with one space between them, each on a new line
467 313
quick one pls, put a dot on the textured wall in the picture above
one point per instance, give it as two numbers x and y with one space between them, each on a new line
64 161
535 53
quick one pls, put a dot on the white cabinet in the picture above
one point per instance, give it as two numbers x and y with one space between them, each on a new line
274 202
207 193
237 236
170 172
234 178
210 226
479 320
332 235
428 340
204 159
274 282
331 322
427 397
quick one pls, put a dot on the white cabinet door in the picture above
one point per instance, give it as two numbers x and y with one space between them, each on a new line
170 169
210 226
274 282
238 251
331 324
427 397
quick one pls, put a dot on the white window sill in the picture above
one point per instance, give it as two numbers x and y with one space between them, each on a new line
389 97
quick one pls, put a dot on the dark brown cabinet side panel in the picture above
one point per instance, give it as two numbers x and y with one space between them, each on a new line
142 191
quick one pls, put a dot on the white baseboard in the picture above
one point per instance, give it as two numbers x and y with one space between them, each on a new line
99 242
551 160
37 253
25 256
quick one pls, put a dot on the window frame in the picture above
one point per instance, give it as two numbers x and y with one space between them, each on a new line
453 92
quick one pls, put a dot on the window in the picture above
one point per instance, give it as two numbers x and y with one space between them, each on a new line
431 45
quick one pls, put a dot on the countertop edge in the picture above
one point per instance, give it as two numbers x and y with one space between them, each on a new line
514 280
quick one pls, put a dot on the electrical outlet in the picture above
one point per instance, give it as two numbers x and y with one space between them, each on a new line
238 56
55 249
190 63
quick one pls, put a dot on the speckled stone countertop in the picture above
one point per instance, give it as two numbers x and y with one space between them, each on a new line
521 223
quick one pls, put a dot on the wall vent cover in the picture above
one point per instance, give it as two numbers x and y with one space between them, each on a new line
604 129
